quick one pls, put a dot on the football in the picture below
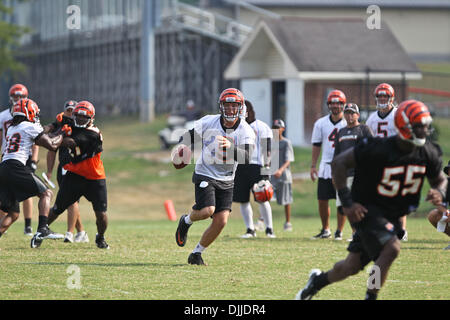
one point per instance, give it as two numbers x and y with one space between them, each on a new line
181 156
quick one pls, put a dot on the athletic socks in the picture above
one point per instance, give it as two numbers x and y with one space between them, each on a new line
27 222
321 281
43 220
247 214
371 296
198 248
266 214
188 220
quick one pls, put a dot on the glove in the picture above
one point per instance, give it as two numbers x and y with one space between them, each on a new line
67 130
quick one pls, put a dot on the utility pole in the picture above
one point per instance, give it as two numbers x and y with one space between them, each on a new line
151 19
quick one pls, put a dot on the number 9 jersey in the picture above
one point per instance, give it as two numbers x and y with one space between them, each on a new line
390 179
19 140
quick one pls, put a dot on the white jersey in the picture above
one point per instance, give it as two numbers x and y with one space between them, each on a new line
20 139
262 131
5 122
382 126
324 132
210 165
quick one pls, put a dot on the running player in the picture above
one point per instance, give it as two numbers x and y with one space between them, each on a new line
225 141
388 179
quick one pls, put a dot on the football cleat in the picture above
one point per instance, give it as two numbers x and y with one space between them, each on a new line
196 258
287 226
181 233
44 233
269 233
323 234
68 237
249 234
338 235
309 290
28 231
100 242
81 237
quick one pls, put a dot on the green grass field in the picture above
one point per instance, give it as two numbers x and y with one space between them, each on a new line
145 263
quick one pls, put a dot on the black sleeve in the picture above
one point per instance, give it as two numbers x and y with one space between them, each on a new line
90 145
434 166
365 151
317 144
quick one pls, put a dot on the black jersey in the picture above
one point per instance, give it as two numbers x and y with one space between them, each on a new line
89 143
391 179
347 138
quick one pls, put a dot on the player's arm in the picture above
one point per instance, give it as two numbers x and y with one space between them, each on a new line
315 156
339 166
438 191
51 143
51 156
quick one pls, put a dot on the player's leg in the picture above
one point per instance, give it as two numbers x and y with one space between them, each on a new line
28 215
96 193
325 192
12 214
243 183
81 235
266 213
434 217
219 221
404 232
341 218
247 215
287 214
387 256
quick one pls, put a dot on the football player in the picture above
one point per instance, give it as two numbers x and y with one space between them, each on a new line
389 176
85 171
73 211
381 122
17 181
440 217
17 92
249 174
225 141
323 137
345 139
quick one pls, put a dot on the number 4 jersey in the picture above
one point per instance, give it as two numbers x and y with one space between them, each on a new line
19 140
391 179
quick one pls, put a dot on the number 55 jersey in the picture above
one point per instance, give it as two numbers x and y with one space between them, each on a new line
390 178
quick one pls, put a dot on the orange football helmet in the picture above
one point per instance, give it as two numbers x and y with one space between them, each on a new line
336 96
411 112
231 95
84 111
384 89
17 92
27 108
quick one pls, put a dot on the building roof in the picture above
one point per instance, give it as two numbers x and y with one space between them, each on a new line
413 4
332 45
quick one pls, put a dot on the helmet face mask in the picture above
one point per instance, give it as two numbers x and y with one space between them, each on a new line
335 101
384 96
231 103
83 114
17 92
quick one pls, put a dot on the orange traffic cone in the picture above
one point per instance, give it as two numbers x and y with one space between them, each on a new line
168 204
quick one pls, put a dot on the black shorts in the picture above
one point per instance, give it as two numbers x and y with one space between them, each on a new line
372 233
17 183
325 189
74 186
246 176
212 193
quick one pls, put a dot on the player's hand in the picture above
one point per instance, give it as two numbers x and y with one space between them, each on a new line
278 174
223 142
313 173
355 213
434 196
67 130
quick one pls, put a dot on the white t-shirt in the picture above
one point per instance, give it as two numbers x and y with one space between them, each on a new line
19 141
5 122
207 163
382 126
324 132
262 131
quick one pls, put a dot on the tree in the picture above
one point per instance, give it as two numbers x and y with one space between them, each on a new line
10 35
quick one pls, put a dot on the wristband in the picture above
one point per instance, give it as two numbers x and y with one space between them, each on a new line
345 196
